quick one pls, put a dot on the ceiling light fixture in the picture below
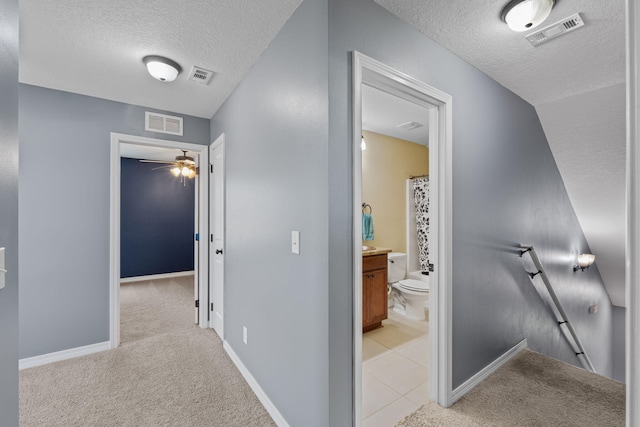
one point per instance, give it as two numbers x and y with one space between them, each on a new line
523 15
584 262
161 68
363 145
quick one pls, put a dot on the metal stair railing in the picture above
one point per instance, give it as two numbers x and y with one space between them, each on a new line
561 316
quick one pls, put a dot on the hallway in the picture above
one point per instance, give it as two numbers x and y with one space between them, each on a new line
166 372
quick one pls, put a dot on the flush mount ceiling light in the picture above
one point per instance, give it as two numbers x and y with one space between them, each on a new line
363 144
523 15
161 68
584 262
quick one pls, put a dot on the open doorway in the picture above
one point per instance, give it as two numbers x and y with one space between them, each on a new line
433 354
126 153
395 195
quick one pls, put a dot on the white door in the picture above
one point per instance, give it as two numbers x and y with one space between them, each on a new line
196 252
216 239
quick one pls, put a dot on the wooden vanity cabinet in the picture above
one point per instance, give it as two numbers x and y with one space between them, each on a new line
374 291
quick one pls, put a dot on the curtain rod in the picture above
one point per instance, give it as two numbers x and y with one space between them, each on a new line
418 176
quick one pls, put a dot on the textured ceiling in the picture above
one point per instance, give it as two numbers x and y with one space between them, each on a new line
586 59
95 47
382 113
576 82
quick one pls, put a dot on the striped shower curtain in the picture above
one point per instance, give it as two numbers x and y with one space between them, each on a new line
421 199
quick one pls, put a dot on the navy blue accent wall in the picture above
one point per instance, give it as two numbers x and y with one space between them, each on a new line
156 220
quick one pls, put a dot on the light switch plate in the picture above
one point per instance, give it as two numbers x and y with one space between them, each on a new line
295 242
3 272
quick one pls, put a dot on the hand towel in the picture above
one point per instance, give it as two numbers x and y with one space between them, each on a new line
367 227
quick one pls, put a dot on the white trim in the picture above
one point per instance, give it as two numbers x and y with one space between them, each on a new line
374 73
157 276
260 394
44 359
114 235
632 320
472 382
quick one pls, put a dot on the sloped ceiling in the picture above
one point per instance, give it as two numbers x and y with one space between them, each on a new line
575 82
95 47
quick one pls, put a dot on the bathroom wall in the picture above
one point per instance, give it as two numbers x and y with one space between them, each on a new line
64 213
9 212
157 215
275 126
507 190
386 165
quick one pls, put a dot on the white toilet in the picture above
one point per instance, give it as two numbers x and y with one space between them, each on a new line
410 295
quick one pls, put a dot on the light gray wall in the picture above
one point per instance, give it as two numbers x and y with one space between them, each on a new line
64 213
507 190
276 173
619 330
9 211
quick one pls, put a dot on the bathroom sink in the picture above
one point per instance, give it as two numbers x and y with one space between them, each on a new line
367 248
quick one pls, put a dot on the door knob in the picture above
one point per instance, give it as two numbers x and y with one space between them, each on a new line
218 251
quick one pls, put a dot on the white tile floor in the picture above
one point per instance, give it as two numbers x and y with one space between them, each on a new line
394 370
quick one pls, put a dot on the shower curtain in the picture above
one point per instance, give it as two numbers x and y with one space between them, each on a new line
421 199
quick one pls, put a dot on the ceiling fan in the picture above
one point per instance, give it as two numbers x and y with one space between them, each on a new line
183 166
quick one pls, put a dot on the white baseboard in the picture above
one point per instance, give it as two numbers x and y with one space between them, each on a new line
30 362
262 396
157 276
472 382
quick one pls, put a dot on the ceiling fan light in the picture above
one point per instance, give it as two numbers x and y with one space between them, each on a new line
523 15
192 174
175 171
185 171
161 68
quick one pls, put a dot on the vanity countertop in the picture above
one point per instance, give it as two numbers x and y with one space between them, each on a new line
376 251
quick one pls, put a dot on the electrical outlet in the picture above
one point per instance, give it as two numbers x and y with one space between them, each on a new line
244 335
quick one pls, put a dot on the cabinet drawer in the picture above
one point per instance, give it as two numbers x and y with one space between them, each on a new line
374 262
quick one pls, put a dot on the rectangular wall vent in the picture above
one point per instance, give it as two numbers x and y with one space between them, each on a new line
410 125
554 30
200 75
156 122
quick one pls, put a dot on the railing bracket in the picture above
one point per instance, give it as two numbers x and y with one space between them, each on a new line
532 275
524 252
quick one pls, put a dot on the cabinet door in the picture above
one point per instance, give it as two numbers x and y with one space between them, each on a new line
374 298
378 298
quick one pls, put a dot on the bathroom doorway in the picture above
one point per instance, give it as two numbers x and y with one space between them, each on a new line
419 348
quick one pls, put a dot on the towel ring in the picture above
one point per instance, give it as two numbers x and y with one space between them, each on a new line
365 206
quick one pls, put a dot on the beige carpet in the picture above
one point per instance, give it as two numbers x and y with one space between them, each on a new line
532 390
167 372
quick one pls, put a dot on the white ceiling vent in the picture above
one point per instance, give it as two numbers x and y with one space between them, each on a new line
156 122
410 125
200 75
552 31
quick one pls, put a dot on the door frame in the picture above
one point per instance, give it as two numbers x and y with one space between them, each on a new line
376 74
220 141
114 220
